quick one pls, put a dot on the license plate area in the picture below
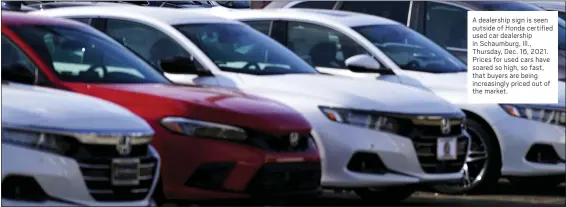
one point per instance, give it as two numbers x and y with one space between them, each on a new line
447 148
125 172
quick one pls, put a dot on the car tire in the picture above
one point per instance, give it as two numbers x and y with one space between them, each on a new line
537 182
390 195
491 167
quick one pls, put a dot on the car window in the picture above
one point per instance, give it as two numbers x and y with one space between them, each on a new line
148 42
508 6
561 34
440 16
78 54
242 49
11 55
411 50
262 26
83 20
321 46
562 15
316 4
394 10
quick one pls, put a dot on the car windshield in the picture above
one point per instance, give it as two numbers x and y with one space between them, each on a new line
508 6
561 34
76 54
411 50
239 48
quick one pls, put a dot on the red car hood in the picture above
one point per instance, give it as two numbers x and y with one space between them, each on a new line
156 101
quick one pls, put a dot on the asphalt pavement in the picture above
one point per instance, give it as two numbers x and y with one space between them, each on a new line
506 195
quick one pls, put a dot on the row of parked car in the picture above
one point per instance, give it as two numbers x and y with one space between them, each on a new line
212 103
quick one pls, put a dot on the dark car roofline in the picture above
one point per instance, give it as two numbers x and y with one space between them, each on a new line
18 18
480 5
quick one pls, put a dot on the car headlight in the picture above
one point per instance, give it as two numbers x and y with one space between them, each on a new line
366 119
537 113
36 140
203 129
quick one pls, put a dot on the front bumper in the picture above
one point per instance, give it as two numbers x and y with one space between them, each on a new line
518 136
59 177
206 169
8 202
338 143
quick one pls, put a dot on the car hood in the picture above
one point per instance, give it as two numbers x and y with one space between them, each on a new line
205 104
38 107
353 93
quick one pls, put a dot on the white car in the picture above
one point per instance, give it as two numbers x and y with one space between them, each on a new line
522 142
66 149
370 133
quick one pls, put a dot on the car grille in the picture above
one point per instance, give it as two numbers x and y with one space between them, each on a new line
426 152
279 143
274 178
137 170
425 135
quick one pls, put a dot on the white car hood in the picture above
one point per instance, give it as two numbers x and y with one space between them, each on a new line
24 105
353 93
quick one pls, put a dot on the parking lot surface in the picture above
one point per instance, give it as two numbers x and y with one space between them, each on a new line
505 196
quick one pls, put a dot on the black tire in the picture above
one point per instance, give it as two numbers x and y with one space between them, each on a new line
536 183
492 167
389 195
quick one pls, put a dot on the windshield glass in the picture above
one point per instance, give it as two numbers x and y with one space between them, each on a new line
508 6
561 34
241 49
411 50
76 54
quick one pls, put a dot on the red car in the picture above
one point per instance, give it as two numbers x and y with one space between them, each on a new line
213 143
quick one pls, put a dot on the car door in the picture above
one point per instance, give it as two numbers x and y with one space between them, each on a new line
394 10
152 45
12 56
323 47
432 19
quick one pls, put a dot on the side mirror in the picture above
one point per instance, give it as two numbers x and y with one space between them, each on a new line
182 65
365 64
18 73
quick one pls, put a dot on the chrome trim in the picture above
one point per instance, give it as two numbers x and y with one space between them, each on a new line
98 137
157 172
410 14
457 49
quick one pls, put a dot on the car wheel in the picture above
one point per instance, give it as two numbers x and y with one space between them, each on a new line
483 164
537 182
390 195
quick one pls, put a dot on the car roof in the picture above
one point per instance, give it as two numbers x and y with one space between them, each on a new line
77 3
350 19
483 4
12 18
171 16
